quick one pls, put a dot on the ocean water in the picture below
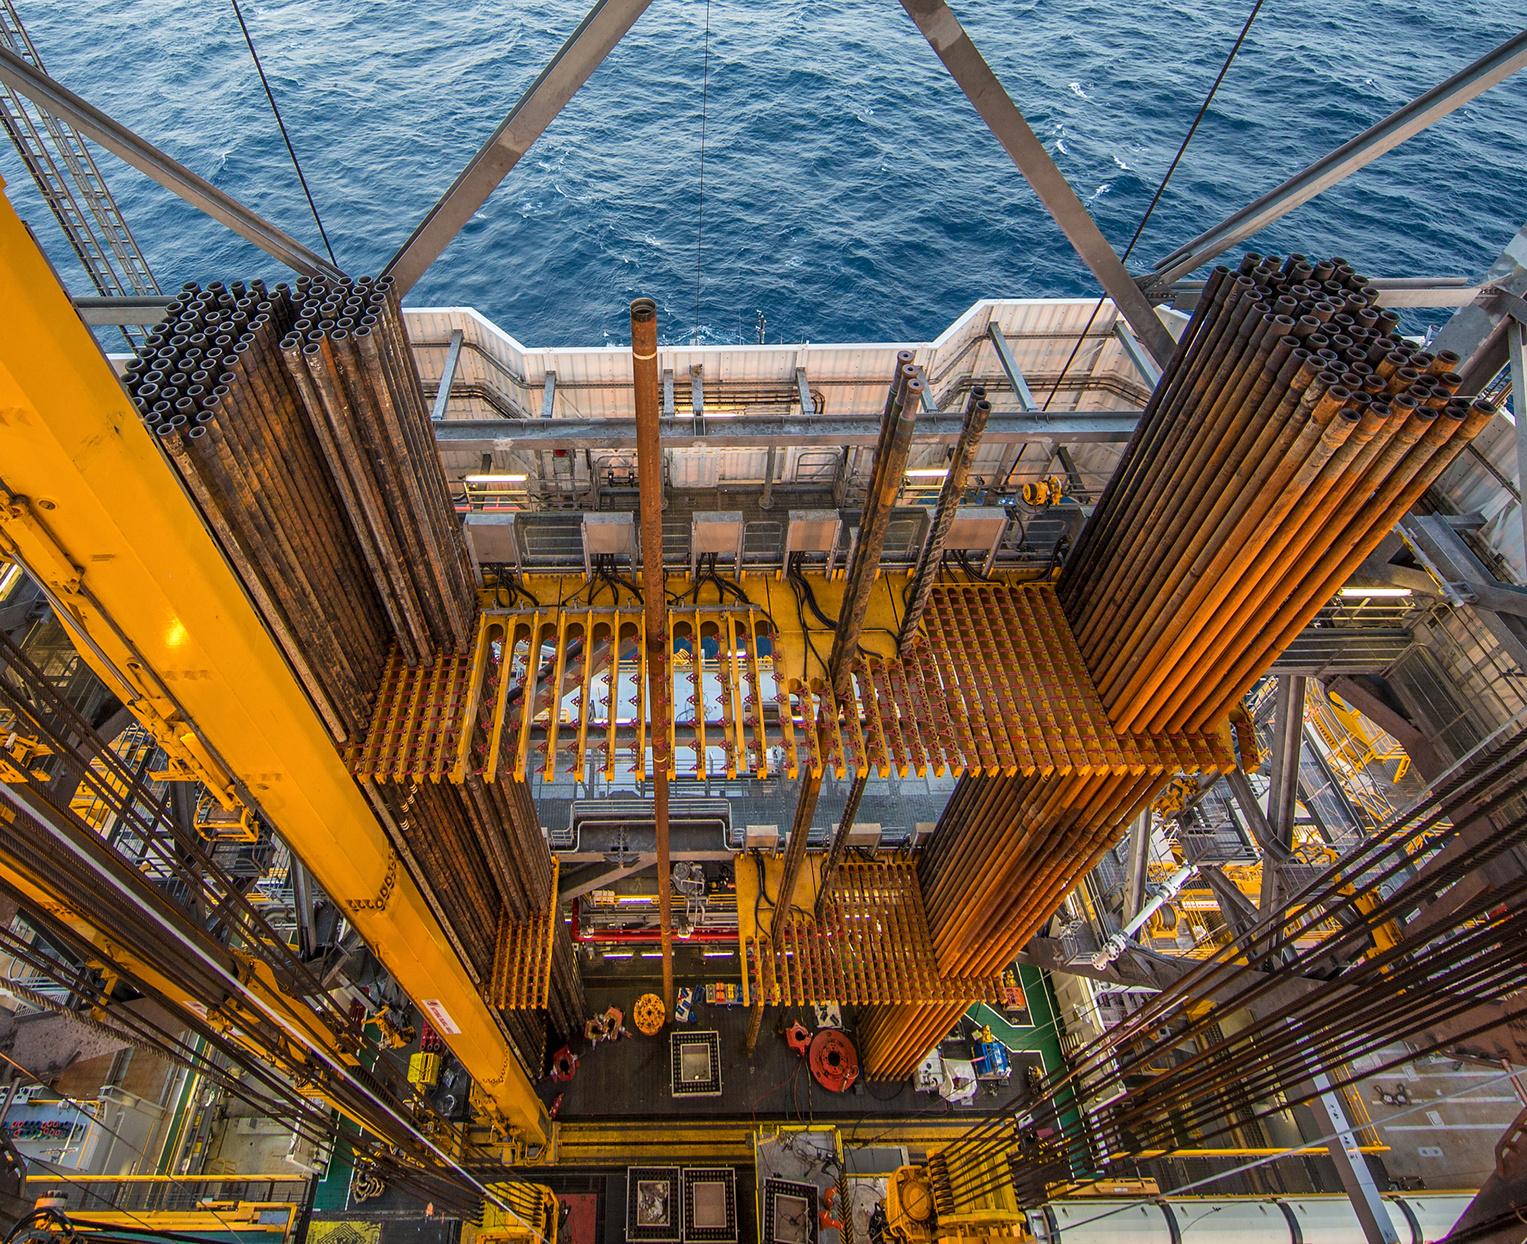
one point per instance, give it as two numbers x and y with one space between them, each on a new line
850 191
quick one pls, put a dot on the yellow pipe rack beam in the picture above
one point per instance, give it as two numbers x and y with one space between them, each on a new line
93 512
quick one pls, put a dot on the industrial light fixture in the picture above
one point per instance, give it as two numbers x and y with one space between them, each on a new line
929 472
496 479
1374 591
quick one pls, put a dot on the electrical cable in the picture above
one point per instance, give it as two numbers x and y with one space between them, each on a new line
583 586
292 151
700 218
517 588
1155 199
797 582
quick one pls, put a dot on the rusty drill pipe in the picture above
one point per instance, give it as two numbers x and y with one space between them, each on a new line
839 844
1375 438
248 426
649 472
1184 408
1116 500
1396 497
1142 567
1245 487
1186 412
885 482
972 428
1375 466
1125 480
1247 432
1257 543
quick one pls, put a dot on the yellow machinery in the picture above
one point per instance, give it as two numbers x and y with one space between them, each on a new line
89 511
531 1216
105 1201
922 1207
1046 491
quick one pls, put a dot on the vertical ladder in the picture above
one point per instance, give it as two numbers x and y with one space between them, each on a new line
66 174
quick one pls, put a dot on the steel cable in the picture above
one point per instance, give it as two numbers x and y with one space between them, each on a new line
1156 198
285 137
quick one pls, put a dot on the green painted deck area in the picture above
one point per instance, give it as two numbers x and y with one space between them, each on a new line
1042 1037
334 1188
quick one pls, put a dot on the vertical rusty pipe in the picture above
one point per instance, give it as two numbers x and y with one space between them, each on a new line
649 478
839 845
885 485
971 430
885 482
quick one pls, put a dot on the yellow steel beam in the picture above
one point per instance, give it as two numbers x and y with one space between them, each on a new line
61 1177
612 701
240 1216
98 516
634 1143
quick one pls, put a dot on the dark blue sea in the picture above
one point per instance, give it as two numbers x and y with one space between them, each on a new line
850 191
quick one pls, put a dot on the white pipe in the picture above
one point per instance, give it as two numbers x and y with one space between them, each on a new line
1116 944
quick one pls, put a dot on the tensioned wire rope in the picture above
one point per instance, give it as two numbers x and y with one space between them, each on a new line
1464 770
700 219
281 125
1155 199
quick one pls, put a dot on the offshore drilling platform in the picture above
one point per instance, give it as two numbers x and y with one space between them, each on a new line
441 774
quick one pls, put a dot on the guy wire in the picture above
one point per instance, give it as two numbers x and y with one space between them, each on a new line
292 151
1156 198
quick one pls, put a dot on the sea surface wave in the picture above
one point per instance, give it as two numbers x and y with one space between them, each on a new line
850 191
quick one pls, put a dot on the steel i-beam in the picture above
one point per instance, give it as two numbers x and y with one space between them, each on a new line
604 26
1368 146
975 77
26 79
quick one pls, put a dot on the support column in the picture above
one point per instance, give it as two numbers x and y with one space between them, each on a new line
649 476
1351 1165
1519 410
1288 737
897 423
967 67
977 409
1139 865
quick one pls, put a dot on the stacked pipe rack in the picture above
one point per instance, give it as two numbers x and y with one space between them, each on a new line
1291 430
296 419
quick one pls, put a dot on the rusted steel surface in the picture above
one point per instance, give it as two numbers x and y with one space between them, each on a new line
522 958
1293 428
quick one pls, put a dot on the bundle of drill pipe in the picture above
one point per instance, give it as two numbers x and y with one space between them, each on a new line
296 419
1292 428
1005 852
